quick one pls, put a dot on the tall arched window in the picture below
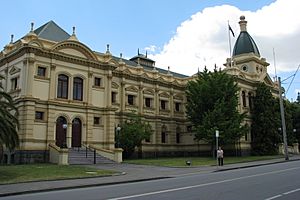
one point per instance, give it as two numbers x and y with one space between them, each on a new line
250 97
244 98
77 88
62 86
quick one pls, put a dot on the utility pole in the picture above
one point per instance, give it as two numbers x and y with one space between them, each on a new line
286 154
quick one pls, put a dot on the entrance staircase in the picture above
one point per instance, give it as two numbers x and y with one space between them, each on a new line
86 156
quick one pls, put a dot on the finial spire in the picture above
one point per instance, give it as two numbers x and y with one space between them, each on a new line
138 51
107 48
12 38
243 23
121 55
146 53
74 30
32 24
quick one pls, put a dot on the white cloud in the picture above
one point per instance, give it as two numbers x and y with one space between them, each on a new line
203 39
151 48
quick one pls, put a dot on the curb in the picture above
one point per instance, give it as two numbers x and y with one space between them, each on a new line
79 186
255 165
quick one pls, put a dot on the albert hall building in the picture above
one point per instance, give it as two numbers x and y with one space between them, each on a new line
70 96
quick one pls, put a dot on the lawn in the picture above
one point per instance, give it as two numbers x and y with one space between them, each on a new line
35 172
197 161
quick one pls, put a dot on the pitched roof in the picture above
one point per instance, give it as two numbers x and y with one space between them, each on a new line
51 31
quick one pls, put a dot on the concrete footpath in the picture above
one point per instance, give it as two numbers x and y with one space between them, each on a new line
128 173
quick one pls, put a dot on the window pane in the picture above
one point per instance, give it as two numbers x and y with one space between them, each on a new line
62 86
77 89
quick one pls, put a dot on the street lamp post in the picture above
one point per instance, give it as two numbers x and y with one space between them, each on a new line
217 144
286 154
118 135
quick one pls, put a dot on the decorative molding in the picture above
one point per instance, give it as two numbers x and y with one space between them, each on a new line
14 70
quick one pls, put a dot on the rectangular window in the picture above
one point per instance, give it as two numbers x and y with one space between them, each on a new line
177 107
14 83
177 138
41 71
163 137
96 120
148 102
130 99
39 115
189 129
114 97
163 104
97 82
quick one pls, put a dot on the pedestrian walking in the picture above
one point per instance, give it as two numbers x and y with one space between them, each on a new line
220 156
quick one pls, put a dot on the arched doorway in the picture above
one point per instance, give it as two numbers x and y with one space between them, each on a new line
61 132
76 132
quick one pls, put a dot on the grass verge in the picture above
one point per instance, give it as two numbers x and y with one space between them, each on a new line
36 172
197 161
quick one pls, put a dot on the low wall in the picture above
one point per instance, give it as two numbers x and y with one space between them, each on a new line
58 155
115 155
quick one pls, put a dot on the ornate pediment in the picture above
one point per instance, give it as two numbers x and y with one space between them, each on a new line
178 96
14 70
148 91
268 80
114 85
132 89
75 48
164 94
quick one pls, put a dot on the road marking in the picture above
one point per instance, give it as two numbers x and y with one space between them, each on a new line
274 197
292 191
286 193
202 185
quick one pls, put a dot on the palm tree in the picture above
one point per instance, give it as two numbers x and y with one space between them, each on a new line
8 122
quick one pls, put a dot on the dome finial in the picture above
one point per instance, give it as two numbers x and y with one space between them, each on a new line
12 38
74 30
107 48
32 24
243 23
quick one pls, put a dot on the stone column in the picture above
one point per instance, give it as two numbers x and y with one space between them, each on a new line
52 82
122 96
108 88
88 88
156 100
69 135
140 97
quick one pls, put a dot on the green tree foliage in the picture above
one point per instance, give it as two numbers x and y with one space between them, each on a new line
132 133
212 105
265 122
296 119
8 122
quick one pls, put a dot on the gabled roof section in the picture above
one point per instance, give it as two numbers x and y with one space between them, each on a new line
51 31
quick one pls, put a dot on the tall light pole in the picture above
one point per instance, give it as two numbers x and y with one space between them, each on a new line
286 154
118 135
217 144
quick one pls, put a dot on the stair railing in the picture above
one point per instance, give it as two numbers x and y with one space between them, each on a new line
90 149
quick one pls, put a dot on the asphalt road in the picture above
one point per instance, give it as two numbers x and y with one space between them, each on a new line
276 181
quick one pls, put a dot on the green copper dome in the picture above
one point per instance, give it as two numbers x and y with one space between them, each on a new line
244 43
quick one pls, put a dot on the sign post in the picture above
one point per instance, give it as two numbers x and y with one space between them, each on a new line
217 141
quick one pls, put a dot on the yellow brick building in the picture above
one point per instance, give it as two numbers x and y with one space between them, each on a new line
70 96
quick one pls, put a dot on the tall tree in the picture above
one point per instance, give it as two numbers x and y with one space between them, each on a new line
132 133
212 105
265 122
8 122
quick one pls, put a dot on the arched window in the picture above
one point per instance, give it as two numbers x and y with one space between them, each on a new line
163 134
62 86
77 88
244 98
250 97
178 135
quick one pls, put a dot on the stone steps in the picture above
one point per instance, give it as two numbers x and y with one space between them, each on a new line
79 156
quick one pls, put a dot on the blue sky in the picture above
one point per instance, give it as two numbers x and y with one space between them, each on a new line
163 27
